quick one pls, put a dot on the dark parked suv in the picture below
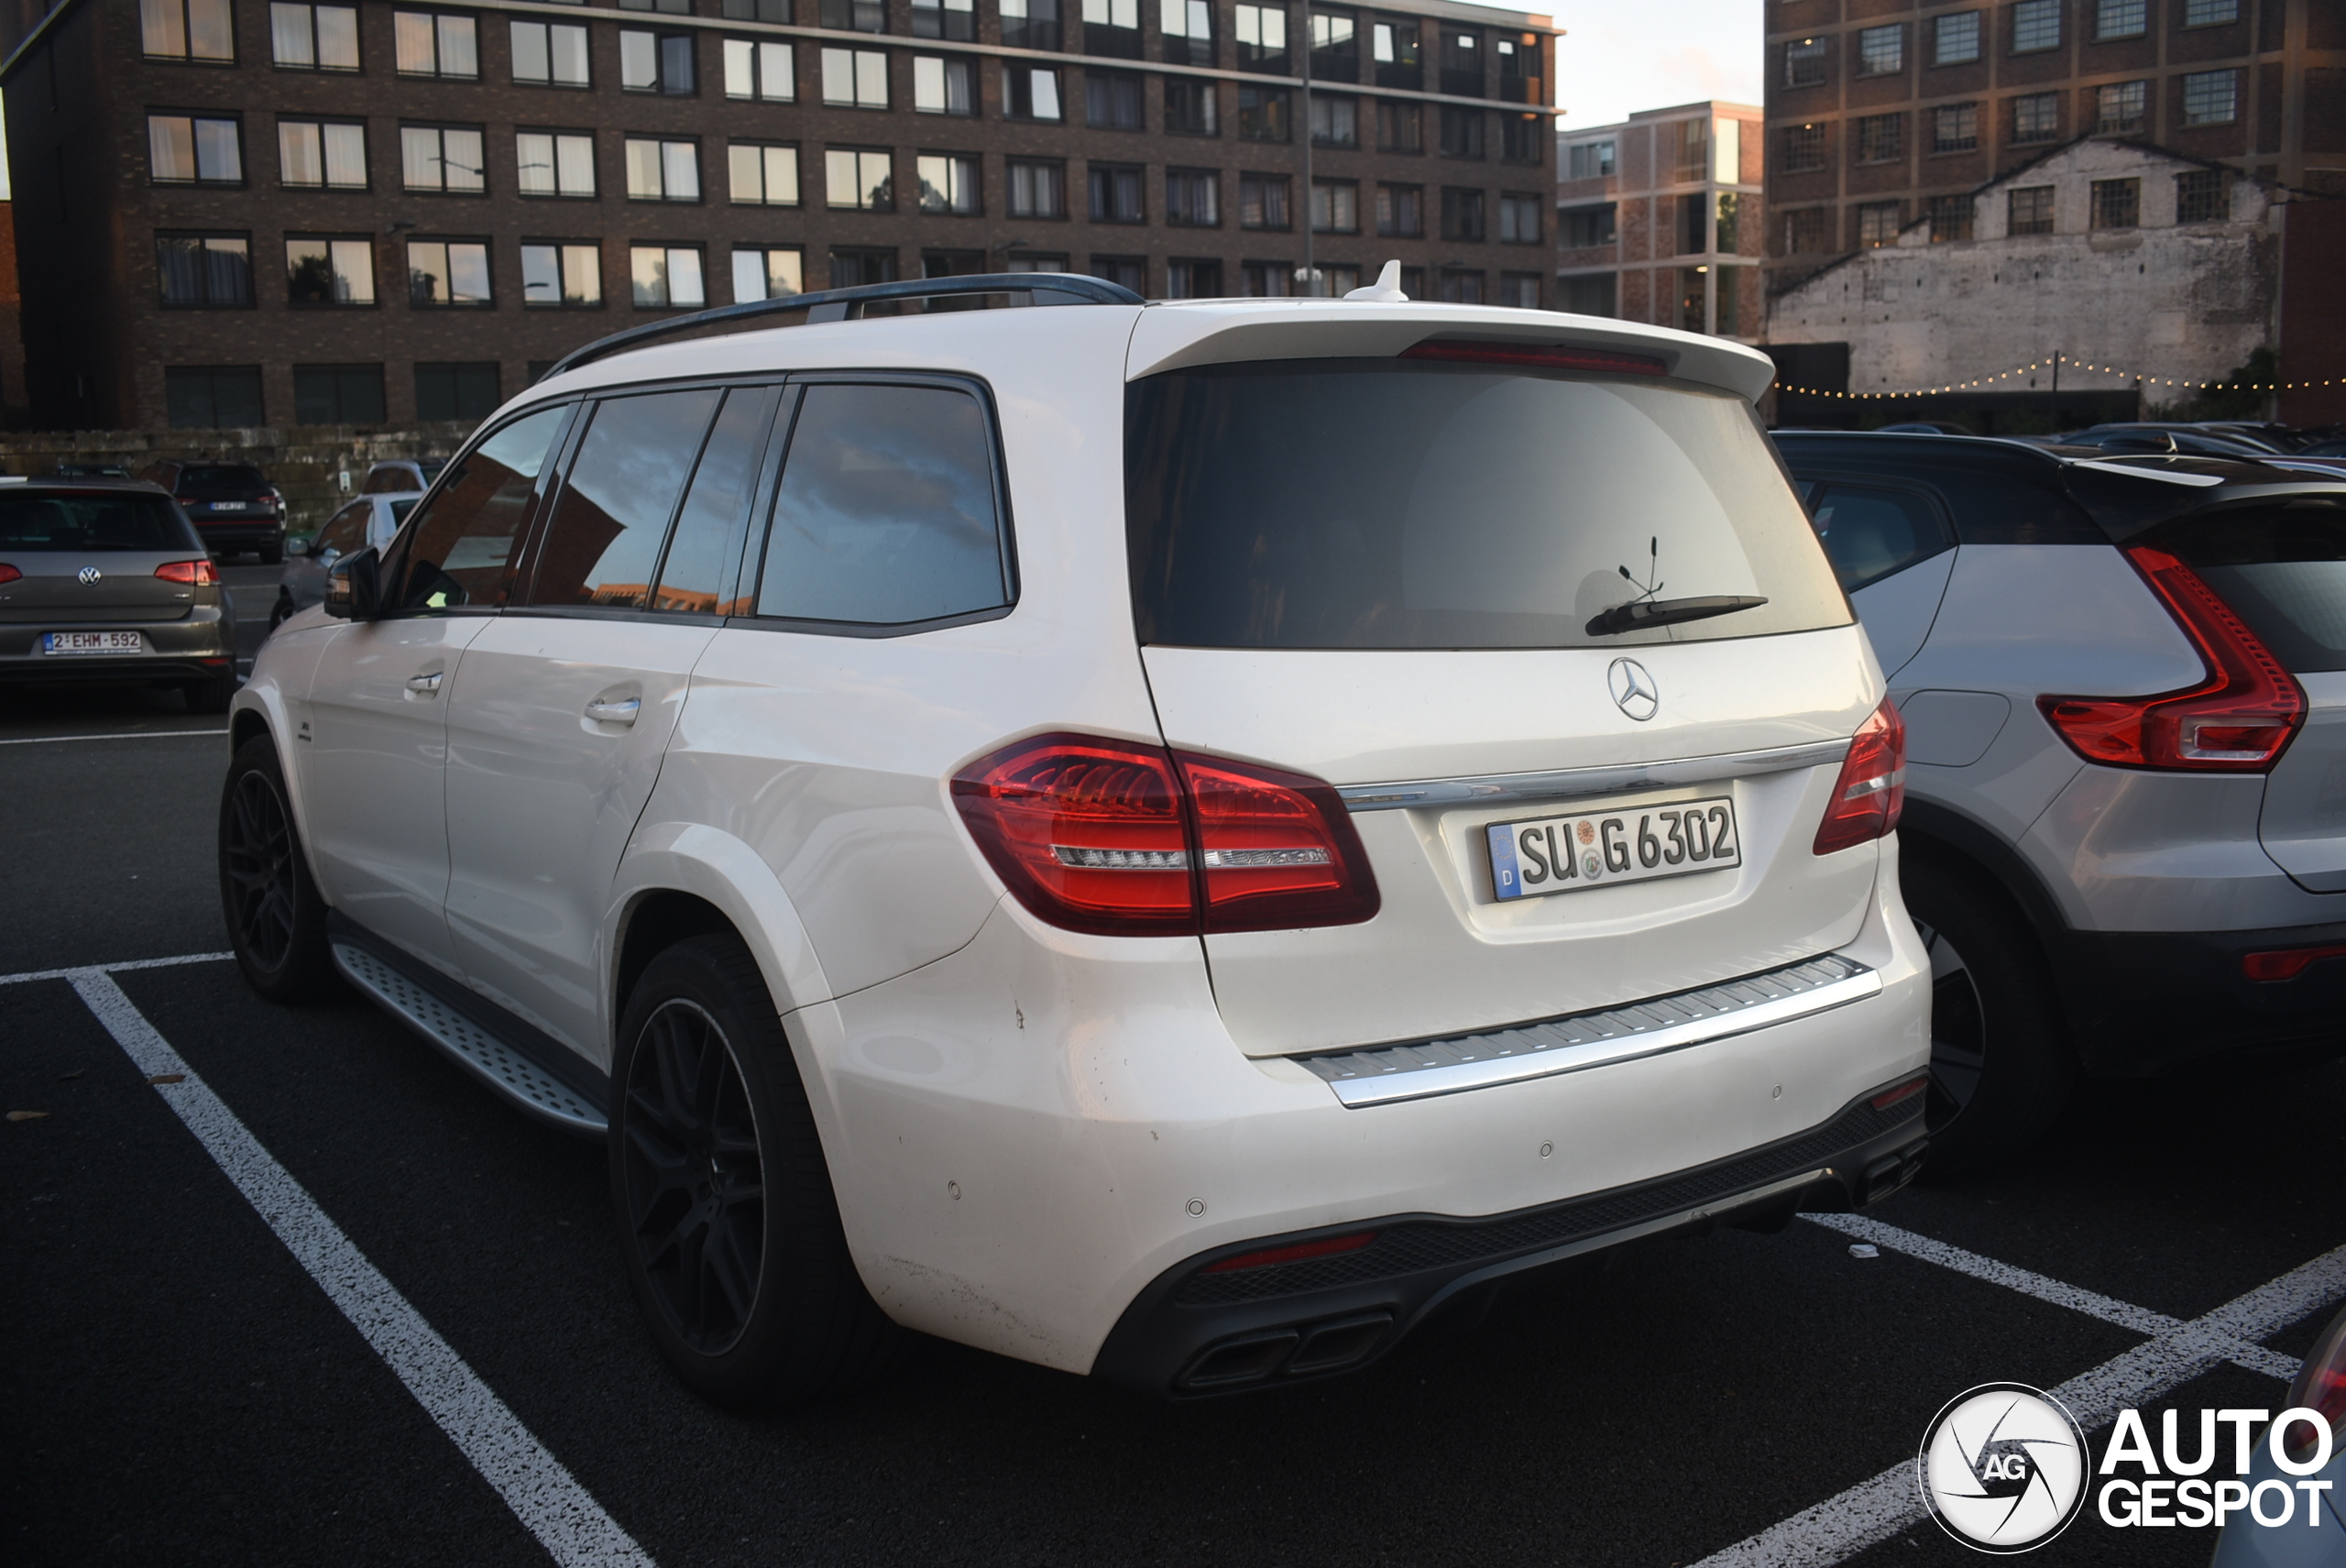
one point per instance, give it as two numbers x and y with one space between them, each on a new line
233 505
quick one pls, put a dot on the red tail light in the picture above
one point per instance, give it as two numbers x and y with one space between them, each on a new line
1131 840
1871 790
1535 356
1301 1252
201 573
2238 720
9 573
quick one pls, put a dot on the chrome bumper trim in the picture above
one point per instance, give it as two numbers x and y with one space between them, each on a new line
1382 1075
1497 789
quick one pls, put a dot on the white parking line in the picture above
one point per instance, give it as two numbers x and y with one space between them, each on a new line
115 968
1872 1512
124 735
548 1499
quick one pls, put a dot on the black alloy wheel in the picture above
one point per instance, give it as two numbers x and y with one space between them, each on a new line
1959 1030
276 918
694 1177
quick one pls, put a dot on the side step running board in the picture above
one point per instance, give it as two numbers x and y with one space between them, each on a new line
489 1054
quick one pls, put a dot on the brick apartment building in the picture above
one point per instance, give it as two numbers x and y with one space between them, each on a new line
233 211
1661 219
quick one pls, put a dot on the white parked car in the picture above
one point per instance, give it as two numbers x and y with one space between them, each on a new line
1167 841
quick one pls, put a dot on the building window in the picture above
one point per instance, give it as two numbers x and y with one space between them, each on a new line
1030 91
1111 27
212 397
1803 148
860 178
954 20
1031 24
1335 121
1882 51
2209 13
1694 284
775 11
212 269
1690 149
1461 214
551 54
554 163
671 7
444 158
1693 225
855 78
1525 138
192 149
2202 196
2121 107
1519 290
854 16
1725 297
1876 223
557 275
1335 206
662 170
1393 48
2028 210
1804 230
762 176
1116 193
2036 117
1955 41
467 391
448 272
860 268
1112 100
1400 127
768 272
1730 222
1461 131
1261 31
434 45
1588 295
2117 203
1037 189
666 276
1462 64
1191 108
1590 161
312 38
1881 138
1262 201
2210 97
948 183
1462 288
1193 198
1804 62
1262 114
1955 127
1267 279
1187 30
2120 19
1187 280
1519 218
1950 218
321 156
762 68
329 271
187 29
1335 46
943 86
338 394
656 62
1585 227
2036 26
1401 211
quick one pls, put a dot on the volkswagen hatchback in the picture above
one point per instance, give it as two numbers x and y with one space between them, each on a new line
1166 841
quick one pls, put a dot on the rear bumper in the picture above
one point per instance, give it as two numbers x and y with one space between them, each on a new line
200 646
2149 1001
244 533
1194 1333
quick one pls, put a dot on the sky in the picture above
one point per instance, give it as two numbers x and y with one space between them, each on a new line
1619 56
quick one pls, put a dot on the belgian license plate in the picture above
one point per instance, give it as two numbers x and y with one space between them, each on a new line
232 505
1639 843
90 642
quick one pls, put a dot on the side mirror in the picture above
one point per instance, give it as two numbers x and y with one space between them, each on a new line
354 587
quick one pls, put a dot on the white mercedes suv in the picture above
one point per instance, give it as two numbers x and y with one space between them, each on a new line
1166 841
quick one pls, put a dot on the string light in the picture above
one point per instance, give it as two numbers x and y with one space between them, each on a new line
2067 365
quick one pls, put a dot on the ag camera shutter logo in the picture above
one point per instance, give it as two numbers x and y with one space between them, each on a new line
2003 1468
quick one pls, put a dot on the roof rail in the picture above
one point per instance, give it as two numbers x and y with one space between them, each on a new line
846 304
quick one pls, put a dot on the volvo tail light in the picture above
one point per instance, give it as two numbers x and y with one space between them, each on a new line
2238 720
1132 841
201 573
1871 790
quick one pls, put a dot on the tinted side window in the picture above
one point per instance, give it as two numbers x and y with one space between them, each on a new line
461 549
887 511
603 544
705 555
2000 509
1871 535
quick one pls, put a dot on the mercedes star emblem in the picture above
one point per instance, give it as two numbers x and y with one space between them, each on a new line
88 574
1634 692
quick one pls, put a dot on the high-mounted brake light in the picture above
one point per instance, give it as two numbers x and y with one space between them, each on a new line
1132 841
1300 1251
2238 720
201 574
1871 790
1535 356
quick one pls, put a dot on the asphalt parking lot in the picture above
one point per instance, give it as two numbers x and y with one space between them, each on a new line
192 1380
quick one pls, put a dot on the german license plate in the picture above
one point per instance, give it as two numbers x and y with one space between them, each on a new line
90 642
1640 843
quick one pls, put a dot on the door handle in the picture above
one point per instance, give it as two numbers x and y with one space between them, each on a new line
619 710
428 681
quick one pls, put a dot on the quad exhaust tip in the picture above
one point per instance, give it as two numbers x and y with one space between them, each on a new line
1304 1350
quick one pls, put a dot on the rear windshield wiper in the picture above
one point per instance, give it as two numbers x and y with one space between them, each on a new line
1644 613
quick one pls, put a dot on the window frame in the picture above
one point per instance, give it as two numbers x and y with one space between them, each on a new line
312 7
886 154
203 239
186 56
374 301
975 163
1056 168
326 180
441 129
761 146
1181 215
547 26
195 117
700 185
2183 117
562 272
1942 34
437 74
555 137
446 244
667 251
1865 42
2031 18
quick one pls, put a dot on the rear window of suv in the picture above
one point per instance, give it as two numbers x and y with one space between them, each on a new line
1378 503
220 479
90 520
2281 568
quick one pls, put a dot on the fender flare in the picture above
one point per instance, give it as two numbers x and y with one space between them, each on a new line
1929 830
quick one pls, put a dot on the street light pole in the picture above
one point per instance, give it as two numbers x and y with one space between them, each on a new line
1310 272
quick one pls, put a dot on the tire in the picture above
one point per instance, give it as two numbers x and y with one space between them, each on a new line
210 696
2001 1065
283 611
723 1202
276 918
